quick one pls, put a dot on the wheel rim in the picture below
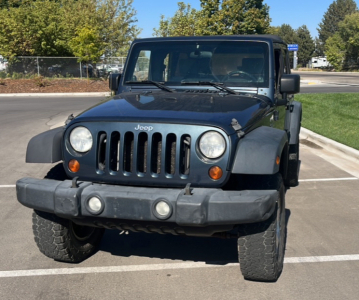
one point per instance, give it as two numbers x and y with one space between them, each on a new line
81 233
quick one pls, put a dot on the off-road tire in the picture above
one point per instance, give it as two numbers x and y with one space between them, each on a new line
63 240
261 245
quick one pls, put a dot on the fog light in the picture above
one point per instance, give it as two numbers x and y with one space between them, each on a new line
95 205
162 209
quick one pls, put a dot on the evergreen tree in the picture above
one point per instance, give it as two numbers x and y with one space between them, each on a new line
306 45
288 35
336 13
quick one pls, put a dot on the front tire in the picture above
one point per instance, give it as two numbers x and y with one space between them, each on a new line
261 245
63 240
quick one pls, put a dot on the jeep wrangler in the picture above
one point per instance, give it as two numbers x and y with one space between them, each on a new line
201 138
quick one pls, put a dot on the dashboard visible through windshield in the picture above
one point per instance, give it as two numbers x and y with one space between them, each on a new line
233 63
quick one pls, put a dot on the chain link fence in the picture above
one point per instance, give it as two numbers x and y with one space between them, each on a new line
61 67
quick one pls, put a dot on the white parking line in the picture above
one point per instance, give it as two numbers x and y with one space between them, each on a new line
328 179
8 186
159 267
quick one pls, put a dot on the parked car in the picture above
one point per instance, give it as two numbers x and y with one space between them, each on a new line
203 142
3 64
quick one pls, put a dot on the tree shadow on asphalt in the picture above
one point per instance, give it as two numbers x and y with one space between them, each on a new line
198 249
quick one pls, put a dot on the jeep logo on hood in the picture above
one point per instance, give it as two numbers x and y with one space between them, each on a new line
144 128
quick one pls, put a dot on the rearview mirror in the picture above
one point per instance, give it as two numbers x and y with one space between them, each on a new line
114 80
290 84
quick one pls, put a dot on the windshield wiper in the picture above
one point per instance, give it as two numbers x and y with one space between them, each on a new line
218 85
156 83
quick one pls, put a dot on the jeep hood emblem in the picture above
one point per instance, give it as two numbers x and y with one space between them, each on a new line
144 128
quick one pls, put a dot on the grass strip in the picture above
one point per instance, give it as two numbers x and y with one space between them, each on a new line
335 116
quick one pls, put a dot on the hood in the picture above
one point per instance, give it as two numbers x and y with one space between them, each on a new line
195 108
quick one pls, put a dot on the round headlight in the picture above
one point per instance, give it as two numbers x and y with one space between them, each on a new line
212 144
81 139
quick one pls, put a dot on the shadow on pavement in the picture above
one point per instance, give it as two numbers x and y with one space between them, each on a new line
197 249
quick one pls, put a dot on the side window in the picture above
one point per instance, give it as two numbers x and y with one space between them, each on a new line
279 66
286 63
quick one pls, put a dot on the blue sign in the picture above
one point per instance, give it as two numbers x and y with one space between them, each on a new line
293 47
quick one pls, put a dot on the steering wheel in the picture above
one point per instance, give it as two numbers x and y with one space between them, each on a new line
239 74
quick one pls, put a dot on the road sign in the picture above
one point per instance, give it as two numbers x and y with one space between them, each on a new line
293 47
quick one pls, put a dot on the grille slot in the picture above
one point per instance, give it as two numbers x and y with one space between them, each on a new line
185 154
101 154
128 152
170 159
115 151
142 149
156 151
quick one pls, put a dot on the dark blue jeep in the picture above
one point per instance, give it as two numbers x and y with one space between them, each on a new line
201 138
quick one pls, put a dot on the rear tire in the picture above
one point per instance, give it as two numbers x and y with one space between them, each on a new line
63 240
261 245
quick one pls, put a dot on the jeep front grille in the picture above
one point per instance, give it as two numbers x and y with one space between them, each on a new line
143 153
161 154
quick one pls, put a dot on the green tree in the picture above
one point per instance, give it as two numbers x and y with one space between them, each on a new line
336 13
342 49
335 51
183 23
306 45
114 19
46 28
87 44
227 17
319 47
217 17
33 28
288 35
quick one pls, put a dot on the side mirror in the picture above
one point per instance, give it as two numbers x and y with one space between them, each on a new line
113 81
290 84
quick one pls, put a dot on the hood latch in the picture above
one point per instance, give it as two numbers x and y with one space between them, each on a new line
237 127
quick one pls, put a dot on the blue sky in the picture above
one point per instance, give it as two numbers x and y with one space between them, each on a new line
293 12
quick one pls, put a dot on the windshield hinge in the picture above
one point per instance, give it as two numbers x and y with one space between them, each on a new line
237 127
69 119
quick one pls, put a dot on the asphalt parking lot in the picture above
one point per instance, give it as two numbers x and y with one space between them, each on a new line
322 250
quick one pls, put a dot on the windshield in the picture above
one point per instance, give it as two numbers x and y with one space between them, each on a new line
233 63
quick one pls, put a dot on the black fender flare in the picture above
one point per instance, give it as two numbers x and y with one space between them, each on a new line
295 122
45 147
258 150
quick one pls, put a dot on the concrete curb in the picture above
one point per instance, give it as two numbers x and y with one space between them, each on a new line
329 144
94 94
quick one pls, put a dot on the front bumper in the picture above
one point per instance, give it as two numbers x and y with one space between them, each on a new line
203 207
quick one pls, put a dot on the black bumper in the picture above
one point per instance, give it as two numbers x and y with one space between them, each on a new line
204 207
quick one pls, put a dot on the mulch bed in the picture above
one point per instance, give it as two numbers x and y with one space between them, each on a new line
43 85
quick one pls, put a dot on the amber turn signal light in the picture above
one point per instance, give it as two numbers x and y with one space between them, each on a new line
277 160
74 165
215 173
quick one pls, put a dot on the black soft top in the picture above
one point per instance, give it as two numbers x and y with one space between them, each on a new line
254 37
